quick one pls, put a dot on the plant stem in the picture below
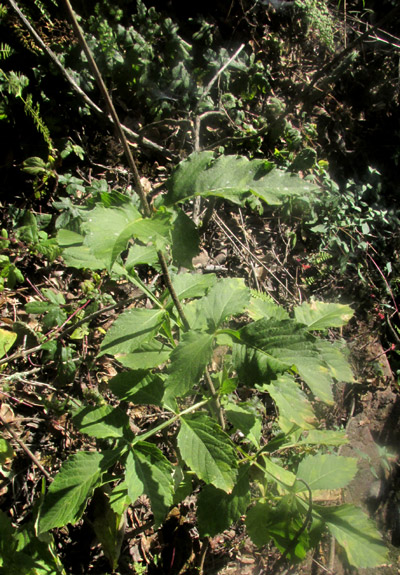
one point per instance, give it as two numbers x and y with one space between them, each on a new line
132 164
151 432
111 109
25 448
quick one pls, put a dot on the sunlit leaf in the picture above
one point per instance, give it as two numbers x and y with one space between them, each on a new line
318 315
72 486
7 340
188 361
208 451
291 402
131 330
325 471
102 422
356 533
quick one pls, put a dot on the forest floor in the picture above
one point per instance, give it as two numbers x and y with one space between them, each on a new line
369 409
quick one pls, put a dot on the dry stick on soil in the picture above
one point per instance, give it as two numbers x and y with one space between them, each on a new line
253 269
231 236
25 448
139 188
135 137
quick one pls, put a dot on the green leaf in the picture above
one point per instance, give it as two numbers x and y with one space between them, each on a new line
156 230
264 307
244 417
6 451
149 472
318 315
325 471
314 371
37 307
208 451
138 387
257 524
102 422
188 361
107 231
226 298
333 354
185 241
141 255
131 330
233 177
272 347
72 486
147 356
284 478
35 166
7 340
278 185
8 543
291 402
23 553
217 510
119 498
282 524
181 184
324 437
55 298
109 526
192 285
356 533
75 253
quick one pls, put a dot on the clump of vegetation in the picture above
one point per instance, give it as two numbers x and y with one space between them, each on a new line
148 384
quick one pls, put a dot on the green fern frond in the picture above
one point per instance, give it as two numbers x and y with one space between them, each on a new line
3 10
5 51
320 258
261 295
43 10
33 110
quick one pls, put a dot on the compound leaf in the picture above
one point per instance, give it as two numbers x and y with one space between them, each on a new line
226 298
192 285
233 178
291 402
138 387
105 231
181 184
149 355
185 241
324 437
245 418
